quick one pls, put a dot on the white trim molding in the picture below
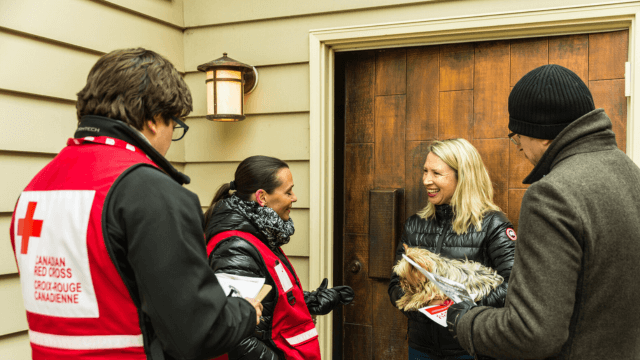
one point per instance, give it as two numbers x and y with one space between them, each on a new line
323 43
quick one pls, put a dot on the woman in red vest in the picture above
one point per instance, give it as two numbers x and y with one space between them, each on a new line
246 224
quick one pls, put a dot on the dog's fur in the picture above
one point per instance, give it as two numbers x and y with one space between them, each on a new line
419 291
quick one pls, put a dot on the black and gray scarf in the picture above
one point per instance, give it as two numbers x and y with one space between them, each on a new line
266 220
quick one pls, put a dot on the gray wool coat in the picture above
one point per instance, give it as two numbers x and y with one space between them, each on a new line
574 291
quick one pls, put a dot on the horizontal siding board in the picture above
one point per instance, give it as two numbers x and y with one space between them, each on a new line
92 25
280 89
301 267
15 346
22 167
32 124
206 178
168 11
7 258
176 151
286 40
204 12
22 68
12 312
284 136
299 243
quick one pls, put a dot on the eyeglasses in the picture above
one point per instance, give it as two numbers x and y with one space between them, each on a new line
179 130
515 138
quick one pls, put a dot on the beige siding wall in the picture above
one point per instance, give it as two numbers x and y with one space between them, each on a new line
46 51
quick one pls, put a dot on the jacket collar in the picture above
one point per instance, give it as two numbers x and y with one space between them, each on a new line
226 217
93 125
444 212
589 133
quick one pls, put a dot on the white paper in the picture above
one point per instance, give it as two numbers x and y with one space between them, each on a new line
437 313
454 290
248 287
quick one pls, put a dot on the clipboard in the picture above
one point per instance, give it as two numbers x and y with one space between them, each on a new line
263 292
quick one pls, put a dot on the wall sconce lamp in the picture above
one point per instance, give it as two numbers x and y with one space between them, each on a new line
227 82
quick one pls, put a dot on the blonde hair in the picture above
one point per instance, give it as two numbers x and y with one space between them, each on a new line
473 196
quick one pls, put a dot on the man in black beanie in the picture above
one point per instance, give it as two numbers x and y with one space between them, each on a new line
573 290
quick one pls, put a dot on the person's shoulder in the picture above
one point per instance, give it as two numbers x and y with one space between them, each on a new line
151 185
415 219
495 218
415 223
235 245
151 176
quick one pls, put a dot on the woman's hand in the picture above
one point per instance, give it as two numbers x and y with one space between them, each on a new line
258 306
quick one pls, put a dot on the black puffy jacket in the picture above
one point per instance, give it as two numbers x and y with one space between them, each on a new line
237 256
491 247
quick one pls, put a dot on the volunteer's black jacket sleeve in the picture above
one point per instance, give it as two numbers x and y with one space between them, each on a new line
153 232
237 256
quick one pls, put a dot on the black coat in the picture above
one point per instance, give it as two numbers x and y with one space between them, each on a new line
491 247
237 256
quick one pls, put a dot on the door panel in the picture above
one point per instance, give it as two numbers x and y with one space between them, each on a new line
422 93
389 141
491 90
398 100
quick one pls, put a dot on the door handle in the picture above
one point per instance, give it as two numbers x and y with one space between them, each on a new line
355 267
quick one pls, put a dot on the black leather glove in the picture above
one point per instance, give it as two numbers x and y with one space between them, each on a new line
454 313
322 300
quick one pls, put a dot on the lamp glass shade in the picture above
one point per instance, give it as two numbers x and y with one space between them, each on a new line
229 97
210 100
228 74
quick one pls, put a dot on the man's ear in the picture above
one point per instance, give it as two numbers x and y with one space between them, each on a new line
547 142
152 126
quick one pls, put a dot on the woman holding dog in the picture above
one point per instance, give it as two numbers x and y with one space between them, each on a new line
460 221
246 225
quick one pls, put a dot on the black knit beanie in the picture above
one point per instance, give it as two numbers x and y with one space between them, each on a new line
546 100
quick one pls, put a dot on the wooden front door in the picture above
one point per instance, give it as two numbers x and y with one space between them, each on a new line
393 103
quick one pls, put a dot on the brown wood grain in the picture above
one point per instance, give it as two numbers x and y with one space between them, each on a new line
491 90
359 97
572 52
386 208
495 156
519 168
389 326
415 193
456 115
389 141
526 55
607 54
515 201
609 95
356 249
456 67
358 342
359 172
391 72
422 92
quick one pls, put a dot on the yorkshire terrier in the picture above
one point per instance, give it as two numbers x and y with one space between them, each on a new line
419 292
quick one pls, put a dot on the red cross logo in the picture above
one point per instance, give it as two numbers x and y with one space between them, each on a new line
28 227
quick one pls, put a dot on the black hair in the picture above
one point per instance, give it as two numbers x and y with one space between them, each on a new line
253 173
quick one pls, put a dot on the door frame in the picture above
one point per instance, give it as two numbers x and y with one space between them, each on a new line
323 43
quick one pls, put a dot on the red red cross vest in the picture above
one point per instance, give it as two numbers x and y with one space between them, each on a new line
77 305
292 329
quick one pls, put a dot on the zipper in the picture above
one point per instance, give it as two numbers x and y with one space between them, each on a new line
440 239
